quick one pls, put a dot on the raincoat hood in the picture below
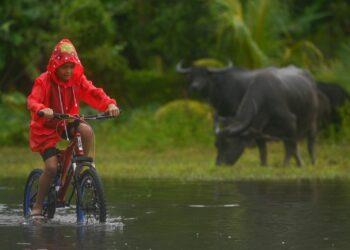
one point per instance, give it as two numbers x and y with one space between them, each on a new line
65 52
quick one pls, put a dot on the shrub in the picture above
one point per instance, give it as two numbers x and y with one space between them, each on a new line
185 122
176 124
15 119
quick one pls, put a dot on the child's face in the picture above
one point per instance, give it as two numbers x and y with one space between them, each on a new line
65 71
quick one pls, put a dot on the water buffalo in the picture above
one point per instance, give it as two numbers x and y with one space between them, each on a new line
269 103
324 111
337 97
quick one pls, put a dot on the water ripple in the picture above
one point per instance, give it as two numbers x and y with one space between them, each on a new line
224 205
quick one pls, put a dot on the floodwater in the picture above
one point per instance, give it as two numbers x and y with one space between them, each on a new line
192 215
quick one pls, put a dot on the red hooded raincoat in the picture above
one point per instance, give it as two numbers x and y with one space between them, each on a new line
63 97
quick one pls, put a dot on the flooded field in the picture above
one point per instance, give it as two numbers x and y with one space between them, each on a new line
191 215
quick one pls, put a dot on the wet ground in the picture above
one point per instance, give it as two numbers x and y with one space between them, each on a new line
196 215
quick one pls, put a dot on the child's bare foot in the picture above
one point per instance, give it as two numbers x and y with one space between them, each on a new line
36 211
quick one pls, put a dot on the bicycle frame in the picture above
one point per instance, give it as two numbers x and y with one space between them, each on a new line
67 167
71 159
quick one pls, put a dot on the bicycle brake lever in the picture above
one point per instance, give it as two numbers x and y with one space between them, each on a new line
106 114
61 116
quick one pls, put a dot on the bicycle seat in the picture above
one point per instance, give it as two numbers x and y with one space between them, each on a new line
79 159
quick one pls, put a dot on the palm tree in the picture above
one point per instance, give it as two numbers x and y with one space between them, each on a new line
261 32
234 36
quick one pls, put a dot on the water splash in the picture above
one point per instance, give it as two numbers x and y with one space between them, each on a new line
13 216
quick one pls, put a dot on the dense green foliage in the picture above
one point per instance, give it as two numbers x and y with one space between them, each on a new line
15 119
137 40
131 47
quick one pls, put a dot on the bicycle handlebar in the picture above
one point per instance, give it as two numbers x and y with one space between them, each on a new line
61 116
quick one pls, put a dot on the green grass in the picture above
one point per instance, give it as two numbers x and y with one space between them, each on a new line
193 163
176 142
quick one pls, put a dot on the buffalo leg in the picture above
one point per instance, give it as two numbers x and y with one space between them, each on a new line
298 156
311 143
291 148
291 143
262 151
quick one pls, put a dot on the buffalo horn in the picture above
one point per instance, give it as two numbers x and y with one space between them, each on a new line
182 70
241 126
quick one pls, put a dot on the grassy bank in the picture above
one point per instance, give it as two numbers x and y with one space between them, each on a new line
193 163
176 141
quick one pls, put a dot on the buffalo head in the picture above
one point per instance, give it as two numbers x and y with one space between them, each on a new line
200 77
229 146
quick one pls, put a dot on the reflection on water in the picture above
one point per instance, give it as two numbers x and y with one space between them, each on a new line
198 215
226 205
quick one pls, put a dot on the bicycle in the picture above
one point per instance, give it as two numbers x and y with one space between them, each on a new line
76 171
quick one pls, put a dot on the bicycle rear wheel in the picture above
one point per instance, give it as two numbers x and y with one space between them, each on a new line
91 203
31 191
30 195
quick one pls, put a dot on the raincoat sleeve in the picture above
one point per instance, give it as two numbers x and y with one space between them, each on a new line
36 97
95 97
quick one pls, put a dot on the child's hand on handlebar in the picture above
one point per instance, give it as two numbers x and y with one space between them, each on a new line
112 110
46 112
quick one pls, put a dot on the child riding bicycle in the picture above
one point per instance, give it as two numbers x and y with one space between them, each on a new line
59 90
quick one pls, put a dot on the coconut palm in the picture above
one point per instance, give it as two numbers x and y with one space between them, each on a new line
234 35
258 32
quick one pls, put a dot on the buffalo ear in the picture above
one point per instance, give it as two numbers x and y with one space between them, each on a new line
228 126
217 129
225 121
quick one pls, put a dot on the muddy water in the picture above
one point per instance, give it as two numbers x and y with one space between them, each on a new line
196 215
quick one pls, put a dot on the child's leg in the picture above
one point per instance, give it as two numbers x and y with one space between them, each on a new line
45 182
86 136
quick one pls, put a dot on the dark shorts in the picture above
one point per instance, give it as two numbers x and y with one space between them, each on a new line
49 152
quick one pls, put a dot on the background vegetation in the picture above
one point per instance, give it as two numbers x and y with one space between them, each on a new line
131 47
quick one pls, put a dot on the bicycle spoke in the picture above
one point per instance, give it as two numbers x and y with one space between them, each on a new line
92 201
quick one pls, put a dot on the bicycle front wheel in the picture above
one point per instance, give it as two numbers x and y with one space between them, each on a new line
91 203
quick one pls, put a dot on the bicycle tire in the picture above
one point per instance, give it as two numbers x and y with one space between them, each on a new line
30 193
91 202
49 210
